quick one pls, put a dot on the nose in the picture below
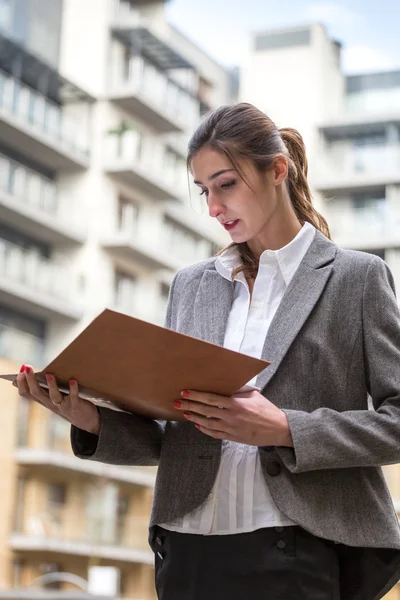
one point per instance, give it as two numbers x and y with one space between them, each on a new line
215 207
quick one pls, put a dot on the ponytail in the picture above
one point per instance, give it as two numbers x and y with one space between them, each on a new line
299 190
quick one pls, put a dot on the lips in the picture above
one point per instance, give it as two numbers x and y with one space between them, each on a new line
229 225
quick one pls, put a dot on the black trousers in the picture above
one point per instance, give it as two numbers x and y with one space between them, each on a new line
277 563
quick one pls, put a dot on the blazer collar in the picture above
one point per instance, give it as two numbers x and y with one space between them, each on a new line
215 295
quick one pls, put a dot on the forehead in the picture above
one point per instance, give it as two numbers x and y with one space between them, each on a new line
208 161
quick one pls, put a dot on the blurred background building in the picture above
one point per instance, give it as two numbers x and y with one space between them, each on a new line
96 108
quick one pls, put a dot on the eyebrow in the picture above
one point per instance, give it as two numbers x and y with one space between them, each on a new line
215 175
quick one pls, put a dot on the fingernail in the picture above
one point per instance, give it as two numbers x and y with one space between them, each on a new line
28 370
178 404
49 377
186 415
185 394
14 383
197 426
22 369
72 382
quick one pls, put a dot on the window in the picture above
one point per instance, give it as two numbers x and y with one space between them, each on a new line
128 215
6 14
58 433
125 292
17 569
23 422
19 504
57 493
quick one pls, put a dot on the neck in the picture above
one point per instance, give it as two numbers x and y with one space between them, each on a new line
279 231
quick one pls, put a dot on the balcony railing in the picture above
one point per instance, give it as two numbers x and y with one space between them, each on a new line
162 95
363 228
35 110
28 186
29 268
147 163
21 346
345 166
85 531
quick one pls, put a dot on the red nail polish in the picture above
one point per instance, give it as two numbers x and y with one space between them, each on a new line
28 370
185 394
178 404
49 377
187 415
22 369
72 382
197 426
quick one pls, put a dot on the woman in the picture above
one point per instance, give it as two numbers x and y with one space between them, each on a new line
276 494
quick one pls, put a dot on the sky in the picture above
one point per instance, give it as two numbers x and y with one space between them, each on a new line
368 31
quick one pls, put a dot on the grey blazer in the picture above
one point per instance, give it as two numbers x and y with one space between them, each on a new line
334 340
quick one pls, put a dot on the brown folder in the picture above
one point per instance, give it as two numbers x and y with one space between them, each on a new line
128 364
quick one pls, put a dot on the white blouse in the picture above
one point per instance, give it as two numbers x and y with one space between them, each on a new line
240 500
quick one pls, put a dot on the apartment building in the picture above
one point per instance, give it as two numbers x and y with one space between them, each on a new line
351 126
97 102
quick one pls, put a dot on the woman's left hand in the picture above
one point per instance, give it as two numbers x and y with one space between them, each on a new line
247 418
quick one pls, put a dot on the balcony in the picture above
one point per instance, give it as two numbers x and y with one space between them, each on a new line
21 346
51 461
53 530
128 244
134 31
29 203
36 285
140 88
39 128
363 229
144 163
357 168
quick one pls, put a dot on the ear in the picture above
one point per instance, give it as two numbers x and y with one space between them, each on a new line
280 170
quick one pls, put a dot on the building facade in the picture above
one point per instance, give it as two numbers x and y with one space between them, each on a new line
351 126
96 108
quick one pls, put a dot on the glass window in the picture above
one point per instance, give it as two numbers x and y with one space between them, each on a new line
6 14
57 494
125 292
58 433
128 215
23 422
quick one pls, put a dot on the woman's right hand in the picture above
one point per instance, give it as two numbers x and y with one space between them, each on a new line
77 411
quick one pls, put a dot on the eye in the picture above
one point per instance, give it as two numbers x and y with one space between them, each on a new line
204 192
228 184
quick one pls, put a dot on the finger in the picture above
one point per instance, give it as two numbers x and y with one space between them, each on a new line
206 398
54 393
216 434
202 409
22 384
73 393
212 424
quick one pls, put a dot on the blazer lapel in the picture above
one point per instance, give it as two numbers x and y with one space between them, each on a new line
297 303
212 306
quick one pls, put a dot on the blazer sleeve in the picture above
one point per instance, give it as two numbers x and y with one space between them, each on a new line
124 438
328 439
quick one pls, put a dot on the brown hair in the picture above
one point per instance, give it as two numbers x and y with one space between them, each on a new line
242 131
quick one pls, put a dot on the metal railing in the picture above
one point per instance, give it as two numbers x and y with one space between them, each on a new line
362 223
362 160
61 522
35 110
30 268
136 149
142 77
28 186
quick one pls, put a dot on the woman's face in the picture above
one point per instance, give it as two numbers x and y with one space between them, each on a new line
244 208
